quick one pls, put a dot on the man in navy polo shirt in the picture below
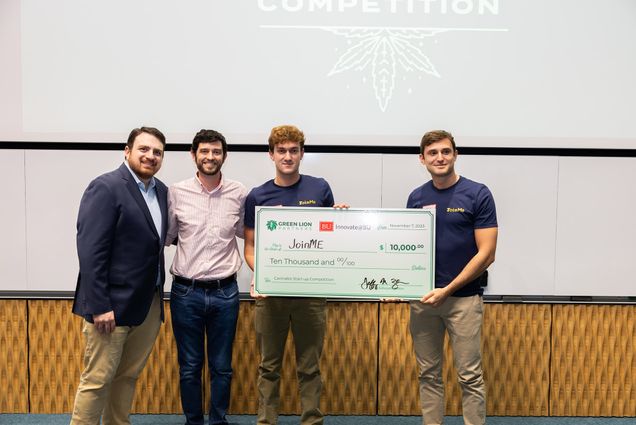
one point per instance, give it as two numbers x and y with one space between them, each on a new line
275 315
466 240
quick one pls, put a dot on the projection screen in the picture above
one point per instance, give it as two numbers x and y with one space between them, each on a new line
502 73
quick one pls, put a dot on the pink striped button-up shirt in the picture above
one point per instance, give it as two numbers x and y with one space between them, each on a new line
206 224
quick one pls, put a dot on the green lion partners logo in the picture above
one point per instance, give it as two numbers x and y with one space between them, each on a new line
288 225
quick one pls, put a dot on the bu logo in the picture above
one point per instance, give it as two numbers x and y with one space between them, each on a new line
326 226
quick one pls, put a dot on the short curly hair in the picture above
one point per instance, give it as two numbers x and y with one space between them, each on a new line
286 133
208 136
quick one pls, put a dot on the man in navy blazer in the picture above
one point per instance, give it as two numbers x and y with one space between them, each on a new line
121 228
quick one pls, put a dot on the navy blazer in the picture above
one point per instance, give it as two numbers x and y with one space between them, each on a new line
119 249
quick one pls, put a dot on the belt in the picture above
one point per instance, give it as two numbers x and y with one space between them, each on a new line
206 284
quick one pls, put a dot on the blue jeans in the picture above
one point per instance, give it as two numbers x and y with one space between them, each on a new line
197 313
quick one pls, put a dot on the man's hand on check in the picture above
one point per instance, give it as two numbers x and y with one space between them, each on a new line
253 293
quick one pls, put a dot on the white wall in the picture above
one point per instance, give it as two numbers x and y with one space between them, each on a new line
565 225
13 216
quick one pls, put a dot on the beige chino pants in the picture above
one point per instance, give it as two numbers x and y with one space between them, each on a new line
112 364
462 318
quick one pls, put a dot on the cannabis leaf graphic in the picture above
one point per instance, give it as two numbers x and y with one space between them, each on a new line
271 225
384 49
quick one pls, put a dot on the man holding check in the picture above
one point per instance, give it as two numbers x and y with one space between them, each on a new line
466 239
274 315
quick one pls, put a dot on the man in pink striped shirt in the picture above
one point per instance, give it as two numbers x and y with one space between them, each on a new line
205 214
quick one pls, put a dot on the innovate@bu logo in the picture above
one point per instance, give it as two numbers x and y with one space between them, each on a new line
326 226
271 225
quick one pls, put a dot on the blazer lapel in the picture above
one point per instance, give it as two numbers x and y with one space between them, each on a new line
162 196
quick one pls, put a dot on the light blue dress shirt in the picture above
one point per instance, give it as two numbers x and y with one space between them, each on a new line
150 196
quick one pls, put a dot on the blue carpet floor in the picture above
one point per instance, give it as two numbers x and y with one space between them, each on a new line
14 419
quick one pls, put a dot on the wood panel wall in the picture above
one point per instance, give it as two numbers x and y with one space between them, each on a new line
14 378
539 360
593 360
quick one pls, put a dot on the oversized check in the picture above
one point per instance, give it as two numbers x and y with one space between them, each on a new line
344 253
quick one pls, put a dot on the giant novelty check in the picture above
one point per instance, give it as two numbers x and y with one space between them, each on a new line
344 253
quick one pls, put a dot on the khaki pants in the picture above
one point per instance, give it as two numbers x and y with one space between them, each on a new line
112 364
308 321
462 317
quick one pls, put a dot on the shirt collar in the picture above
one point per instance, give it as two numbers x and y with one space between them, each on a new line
203 189
142 186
